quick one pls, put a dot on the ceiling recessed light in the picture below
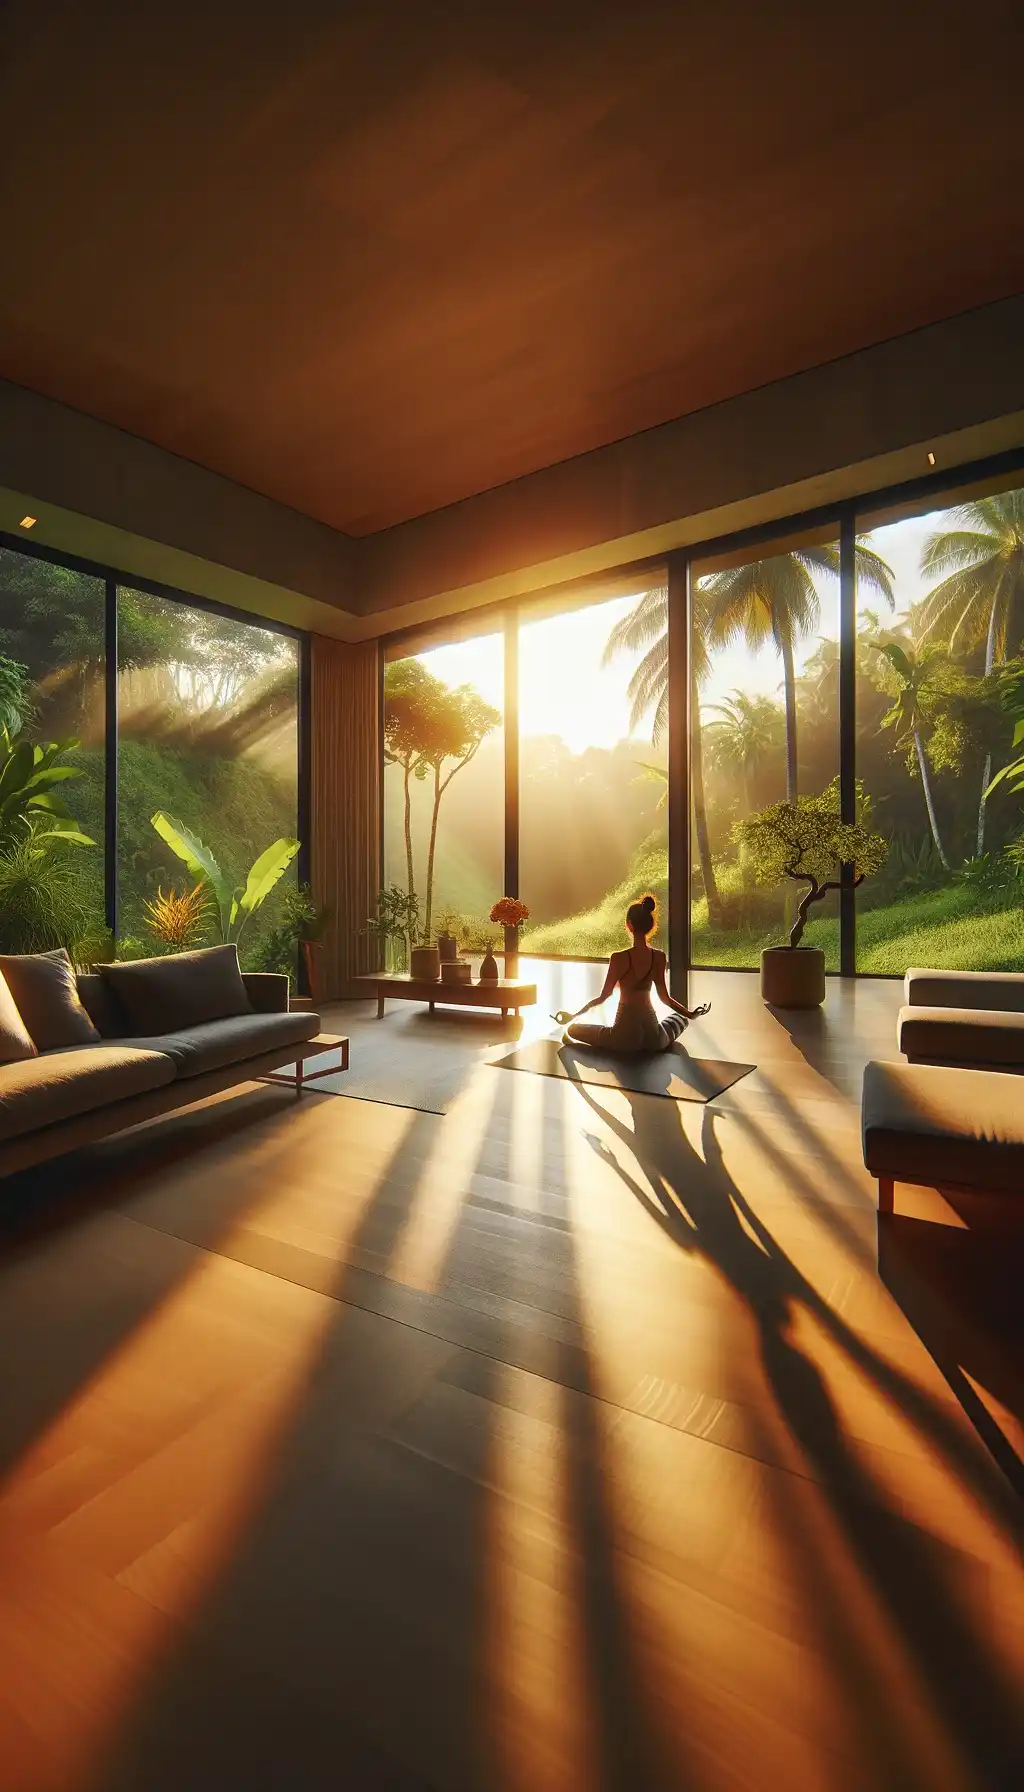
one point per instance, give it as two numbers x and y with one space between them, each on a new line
29 522
931 460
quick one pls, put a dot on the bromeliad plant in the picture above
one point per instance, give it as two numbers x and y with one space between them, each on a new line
231 906
809 842
177 921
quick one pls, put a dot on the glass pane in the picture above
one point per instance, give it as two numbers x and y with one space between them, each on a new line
208 712
593 709
938 694
444 786
52 637
765 716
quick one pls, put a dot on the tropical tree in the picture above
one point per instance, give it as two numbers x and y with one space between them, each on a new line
426 724
746 731
777 601
645 631
918 682
979 560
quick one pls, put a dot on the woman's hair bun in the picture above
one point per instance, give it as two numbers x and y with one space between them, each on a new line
649 902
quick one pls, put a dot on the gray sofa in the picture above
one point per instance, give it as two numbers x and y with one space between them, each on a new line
57 1100
968 1018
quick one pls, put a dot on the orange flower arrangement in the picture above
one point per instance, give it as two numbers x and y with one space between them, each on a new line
510 912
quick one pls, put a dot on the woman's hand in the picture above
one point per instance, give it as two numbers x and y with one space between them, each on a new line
563 1017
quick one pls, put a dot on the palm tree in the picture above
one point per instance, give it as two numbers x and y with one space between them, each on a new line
980 597
746 732
777 600
645 630
918 673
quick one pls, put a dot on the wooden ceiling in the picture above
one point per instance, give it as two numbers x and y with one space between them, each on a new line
369 260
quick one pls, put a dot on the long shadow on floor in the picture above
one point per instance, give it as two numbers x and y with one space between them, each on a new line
74 1284
961 1291
347 1638
697 1204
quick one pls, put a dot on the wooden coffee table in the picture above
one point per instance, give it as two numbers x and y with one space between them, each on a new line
507 994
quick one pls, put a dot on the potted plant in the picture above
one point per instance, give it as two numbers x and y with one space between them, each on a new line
447 936
510 914
396 920
808 842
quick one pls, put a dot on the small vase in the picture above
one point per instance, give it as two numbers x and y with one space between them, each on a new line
448 946
489 967
511 954
396 955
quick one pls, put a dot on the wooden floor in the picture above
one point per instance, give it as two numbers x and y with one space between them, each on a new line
563 1441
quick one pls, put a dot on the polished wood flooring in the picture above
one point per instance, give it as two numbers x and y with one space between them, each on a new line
568 1440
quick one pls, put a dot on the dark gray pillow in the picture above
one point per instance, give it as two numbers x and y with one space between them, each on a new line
162 995
43 986
15 1039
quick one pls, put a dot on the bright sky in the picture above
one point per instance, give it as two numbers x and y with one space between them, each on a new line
565 690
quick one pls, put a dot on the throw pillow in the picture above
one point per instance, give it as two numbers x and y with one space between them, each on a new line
44 989
163 995
15 1038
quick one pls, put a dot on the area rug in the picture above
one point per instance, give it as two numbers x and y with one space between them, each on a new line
672 1073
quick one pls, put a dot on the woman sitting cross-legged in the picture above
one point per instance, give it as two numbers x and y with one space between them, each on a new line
636 1027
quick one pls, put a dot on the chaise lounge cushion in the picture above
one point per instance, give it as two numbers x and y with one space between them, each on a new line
44 987
961 1036
184 990
964 989
932 1125
58 1085
193 1050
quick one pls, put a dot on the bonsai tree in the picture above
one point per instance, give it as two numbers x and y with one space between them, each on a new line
810 843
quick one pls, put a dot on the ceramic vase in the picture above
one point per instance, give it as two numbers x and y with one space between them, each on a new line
489 967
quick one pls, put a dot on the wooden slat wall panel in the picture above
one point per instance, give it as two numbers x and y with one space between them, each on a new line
345 805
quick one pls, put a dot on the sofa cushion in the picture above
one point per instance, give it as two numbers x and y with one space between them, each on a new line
964 989
58 1085
192 1050
99 999
927 1123
187 989
43 985
961 1036
15 1039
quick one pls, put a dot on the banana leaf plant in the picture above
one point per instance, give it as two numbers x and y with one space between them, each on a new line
31 807
232 906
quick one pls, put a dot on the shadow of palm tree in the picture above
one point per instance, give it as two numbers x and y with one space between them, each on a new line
694 1200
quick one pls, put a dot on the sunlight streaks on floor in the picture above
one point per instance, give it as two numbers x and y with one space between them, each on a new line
141 1488
537 1736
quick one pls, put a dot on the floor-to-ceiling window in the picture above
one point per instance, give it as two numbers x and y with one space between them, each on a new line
207 716
940 690
764 729
52 659
593 779
444 786
207 710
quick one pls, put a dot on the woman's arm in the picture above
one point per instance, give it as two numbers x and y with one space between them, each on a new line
660 984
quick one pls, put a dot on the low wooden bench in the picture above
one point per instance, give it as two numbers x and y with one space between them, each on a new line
507 994
311 1048
957 1131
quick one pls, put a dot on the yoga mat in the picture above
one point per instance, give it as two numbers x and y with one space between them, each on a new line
671 1073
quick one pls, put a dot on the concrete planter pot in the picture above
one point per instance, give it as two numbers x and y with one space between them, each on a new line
793 976
425 963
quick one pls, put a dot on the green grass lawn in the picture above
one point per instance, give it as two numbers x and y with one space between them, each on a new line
959 927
